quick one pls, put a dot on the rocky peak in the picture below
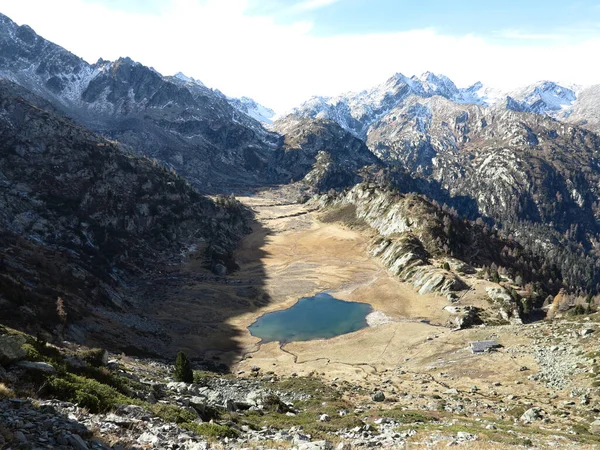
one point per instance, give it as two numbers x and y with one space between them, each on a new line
544 97
253 109
186 79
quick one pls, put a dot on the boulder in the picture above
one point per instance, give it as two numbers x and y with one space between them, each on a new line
595 427
148 438
11 349
77 442
75 362
255 398
464 316
220 270
508 308
316 445
531 415
36 366
378 396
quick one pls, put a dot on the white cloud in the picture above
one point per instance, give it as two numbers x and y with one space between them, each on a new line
310 5
216 41
514 34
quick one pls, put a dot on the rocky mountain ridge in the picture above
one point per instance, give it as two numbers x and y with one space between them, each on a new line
81 219
211 140
358 111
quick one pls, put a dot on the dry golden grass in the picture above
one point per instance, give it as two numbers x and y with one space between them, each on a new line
5 392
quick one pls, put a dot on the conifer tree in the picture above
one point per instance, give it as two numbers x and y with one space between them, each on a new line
183 369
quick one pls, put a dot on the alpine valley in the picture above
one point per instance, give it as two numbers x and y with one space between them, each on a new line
147 220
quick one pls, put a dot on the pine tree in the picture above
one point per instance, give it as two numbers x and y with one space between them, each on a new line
183 369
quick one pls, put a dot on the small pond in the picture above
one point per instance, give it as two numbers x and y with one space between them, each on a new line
318 317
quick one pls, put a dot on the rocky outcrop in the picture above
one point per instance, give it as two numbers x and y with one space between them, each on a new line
406 258
462 316
11 348
507 305
407 235
321 153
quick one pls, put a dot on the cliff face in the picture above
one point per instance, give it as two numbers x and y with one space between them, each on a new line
436 252
407 236
79 219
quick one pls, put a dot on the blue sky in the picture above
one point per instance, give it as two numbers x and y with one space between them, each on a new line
281 52
489 18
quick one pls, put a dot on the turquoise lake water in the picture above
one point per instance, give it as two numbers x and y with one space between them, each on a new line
318 317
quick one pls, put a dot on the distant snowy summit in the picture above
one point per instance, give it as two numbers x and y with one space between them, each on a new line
356 112
246 105
185 79
253 109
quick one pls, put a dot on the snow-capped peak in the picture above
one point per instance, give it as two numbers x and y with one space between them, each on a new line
544 97
253 109
181 76
480 94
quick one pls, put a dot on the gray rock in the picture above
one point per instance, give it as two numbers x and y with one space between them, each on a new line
325 418
148 438
11 348
462 436
2 373
464 316
300 438
19 436
75 362
316 445
255 398
531 415
35 366
113 364
378 396
595 426
508 308
220 270
77 442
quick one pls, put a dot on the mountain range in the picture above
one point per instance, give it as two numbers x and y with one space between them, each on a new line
153 216
525 163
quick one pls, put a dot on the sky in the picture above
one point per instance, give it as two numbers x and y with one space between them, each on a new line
282 52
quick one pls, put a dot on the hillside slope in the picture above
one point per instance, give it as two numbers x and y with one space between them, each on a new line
80 220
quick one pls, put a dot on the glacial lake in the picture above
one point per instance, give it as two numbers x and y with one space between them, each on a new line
318 317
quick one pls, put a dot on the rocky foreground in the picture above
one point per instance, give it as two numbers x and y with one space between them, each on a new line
74 397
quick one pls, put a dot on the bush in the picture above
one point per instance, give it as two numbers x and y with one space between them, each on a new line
88 393
183 369
95 357
211 430
201 378
32 353
172 413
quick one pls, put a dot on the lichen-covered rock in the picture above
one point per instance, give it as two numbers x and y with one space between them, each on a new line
507 306
11 349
